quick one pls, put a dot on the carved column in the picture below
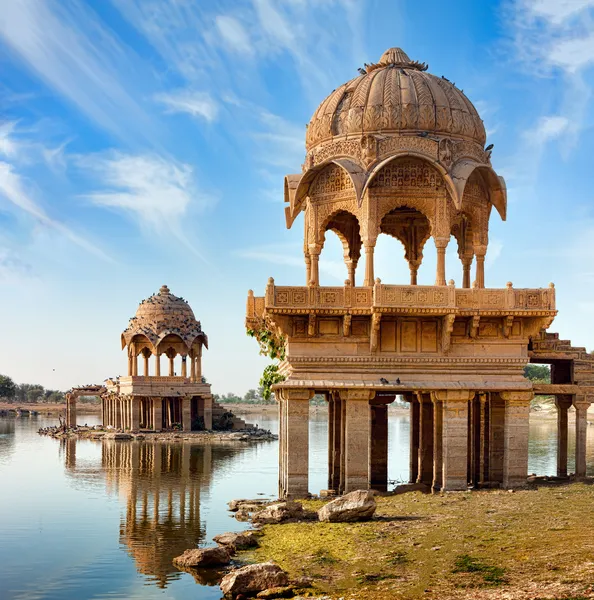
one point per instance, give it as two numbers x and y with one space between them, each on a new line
171 367
135 364
184 371
437 444
466 268
330 400
484 439
146 356
581 404
378 451
497 437
369 271
425 472
207 411
337 435
296 442
480 252
413 266
186 416
515 445
441 244
70 410
351 266
199 364
314 253
414 437
134 413
192 366
454 437
307 269
563 403
157 413
158 364
357 433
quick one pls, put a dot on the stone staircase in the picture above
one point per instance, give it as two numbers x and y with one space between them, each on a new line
548 347
218 411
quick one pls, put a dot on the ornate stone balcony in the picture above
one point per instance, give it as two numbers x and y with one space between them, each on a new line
402 299
152 385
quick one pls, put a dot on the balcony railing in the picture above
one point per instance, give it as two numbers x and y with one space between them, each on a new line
445 299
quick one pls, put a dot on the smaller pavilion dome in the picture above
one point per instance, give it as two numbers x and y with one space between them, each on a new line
164 314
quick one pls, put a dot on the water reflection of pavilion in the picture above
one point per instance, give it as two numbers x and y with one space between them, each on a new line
161 484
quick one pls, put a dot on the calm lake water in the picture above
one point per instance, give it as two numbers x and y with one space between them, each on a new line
86 519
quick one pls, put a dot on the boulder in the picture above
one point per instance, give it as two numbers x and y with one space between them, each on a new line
279 513
277 592
236 541
249 505
203 557
253 578
355 506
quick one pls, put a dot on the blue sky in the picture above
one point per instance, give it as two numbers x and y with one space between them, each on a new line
145 142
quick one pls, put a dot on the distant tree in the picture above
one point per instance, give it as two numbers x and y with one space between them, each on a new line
35 393
54 396
7 388
538 373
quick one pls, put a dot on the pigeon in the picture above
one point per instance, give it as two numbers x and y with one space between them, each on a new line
398 381
489 147
384 381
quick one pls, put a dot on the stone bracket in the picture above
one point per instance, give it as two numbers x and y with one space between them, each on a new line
508 323
375 331
447 329
474 326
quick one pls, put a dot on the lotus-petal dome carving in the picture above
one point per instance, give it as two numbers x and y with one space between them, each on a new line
164 314
396 96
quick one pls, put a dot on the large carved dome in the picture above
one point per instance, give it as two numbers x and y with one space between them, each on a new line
164 314
394 96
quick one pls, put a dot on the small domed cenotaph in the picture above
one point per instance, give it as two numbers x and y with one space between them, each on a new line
398 151
161 398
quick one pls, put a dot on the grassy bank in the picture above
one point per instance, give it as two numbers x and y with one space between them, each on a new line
529 544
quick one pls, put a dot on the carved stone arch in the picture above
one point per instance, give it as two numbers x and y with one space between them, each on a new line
296 192
462 230
495 187
345 224
139 342
445 176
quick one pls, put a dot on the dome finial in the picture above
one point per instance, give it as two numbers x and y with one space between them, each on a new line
397 57
163 290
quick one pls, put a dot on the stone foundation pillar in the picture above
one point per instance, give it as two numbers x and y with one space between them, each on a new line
414 437
157 414
562 403
186 407
295 442
581 405
497 438
454 438
135 414
378 451
484 439
357 432
208 412
437 444
515 448
369 271
480 252
441 244
425 472
336 449
70 410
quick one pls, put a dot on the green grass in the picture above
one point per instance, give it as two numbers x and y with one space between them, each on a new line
469 564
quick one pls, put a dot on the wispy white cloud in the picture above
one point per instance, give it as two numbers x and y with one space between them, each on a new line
156 192
558 11
13 188
67 46
234 34
12 268
548 128
196 104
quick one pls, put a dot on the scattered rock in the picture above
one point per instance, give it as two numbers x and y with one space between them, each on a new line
253 578
277 592
236 541
302 582
279 512
359 505
249 505
203 557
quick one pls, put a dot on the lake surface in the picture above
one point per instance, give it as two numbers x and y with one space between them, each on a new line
88 519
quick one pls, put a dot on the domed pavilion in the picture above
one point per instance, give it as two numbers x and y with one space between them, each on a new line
164 324
401 152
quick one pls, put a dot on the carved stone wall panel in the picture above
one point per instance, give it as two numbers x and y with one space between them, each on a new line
408 173
330 180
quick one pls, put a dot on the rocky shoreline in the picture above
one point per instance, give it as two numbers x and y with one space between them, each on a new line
203 437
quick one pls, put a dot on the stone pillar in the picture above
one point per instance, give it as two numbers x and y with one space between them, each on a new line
331 406
307 269
497 438
314 253
378 451
454 438
199 365
135 364
357 430
296 442
157 413
369 276
70 410
103 411
414 437
515 445
562 403
581 404
425 473
484 439
466 267
474 441
342 456
184 372
437 444
171 367
336 424
413 266
158 365
186 402
207 412
134 413
480 252
192 367
441 244
146 364
351 268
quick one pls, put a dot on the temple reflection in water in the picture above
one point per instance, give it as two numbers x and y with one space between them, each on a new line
161 485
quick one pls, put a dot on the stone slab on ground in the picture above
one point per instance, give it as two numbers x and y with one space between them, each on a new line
203 557
278 513
359 505
253 578
236 541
